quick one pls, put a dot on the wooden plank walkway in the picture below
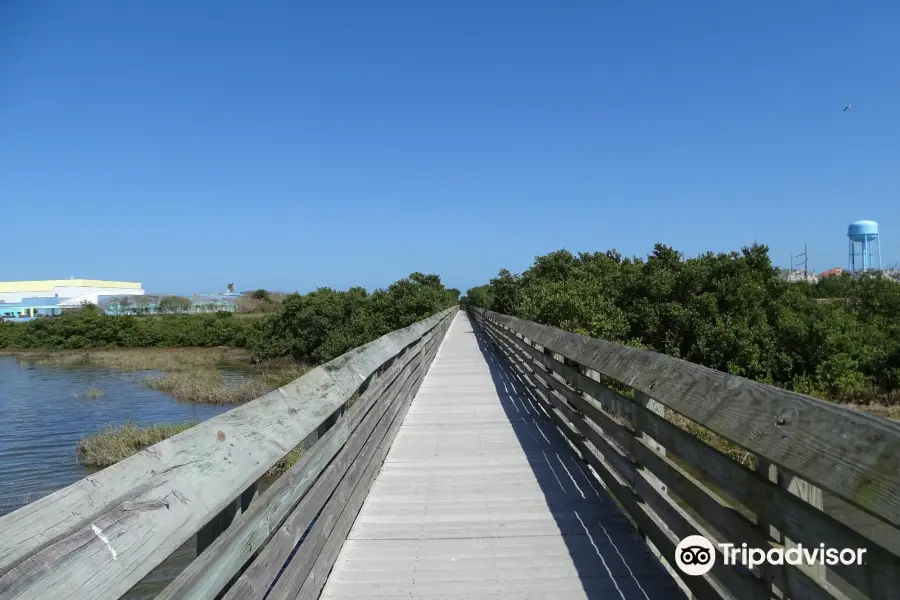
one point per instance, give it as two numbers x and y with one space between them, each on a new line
480 497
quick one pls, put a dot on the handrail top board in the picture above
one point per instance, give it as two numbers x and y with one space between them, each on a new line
149 504
854 455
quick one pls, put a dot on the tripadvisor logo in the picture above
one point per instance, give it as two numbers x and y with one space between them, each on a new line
696 555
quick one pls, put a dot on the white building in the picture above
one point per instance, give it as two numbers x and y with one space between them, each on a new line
800 276
70 292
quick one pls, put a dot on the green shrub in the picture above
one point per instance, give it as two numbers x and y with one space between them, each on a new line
732 312
326 323
314 327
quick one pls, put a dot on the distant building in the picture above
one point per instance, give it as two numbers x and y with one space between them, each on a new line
152 304
28 299
798 276
65 289
29 308
835 272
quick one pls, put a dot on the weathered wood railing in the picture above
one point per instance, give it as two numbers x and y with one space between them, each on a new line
824 475
97 538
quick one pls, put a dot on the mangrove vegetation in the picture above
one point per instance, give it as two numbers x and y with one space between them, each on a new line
838 339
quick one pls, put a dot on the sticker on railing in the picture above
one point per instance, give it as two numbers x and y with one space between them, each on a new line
695 555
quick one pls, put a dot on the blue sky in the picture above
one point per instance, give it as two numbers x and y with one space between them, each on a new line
291 145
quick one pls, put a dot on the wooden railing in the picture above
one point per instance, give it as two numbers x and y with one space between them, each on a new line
97 538
820 474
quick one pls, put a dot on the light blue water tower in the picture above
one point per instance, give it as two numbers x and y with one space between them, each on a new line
865 249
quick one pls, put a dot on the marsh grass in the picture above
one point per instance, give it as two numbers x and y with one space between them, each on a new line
136 359
188 374
285 463
209 387
91 393
879 410
116 443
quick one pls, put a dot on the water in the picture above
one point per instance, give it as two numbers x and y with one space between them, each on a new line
46 412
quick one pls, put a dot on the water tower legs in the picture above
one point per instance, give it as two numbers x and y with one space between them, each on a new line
865 255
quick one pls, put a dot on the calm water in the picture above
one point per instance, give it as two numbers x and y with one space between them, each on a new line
45 412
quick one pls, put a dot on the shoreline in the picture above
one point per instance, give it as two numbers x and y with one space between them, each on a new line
189 375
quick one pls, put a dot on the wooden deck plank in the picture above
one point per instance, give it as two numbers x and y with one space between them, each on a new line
481 497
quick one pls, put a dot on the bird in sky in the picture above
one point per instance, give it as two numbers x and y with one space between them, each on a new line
846 107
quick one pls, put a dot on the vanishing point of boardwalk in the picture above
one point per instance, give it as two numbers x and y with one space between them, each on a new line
481 497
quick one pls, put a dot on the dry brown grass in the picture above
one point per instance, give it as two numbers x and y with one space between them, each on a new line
247 304
189 374
115 444
208 386
879 410
135 359
712 439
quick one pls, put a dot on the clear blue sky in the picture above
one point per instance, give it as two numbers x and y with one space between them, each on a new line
294 145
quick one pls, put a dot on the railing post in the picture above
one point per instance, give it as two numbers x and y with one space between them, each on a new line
803 490
209 532
656 407
769 471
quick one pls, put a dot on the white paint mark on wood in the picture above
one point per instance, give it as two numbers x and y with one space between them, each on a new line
99 533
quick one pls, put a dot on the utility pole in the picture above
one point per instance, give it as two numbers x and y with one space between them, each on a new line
805 263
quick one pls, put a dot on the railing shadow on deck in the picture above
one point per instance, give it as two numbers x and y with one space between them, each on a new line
610 557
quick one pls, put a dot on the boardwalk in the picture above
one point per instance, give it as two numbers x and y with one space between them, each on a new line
480 497
433 472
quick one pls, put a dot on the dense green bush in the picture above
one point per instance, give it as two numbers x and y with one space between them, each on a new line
326 323
89 328
314 327
838 339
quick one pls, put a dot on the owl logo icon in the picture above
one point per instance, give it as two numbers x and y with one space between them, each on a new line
695 555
